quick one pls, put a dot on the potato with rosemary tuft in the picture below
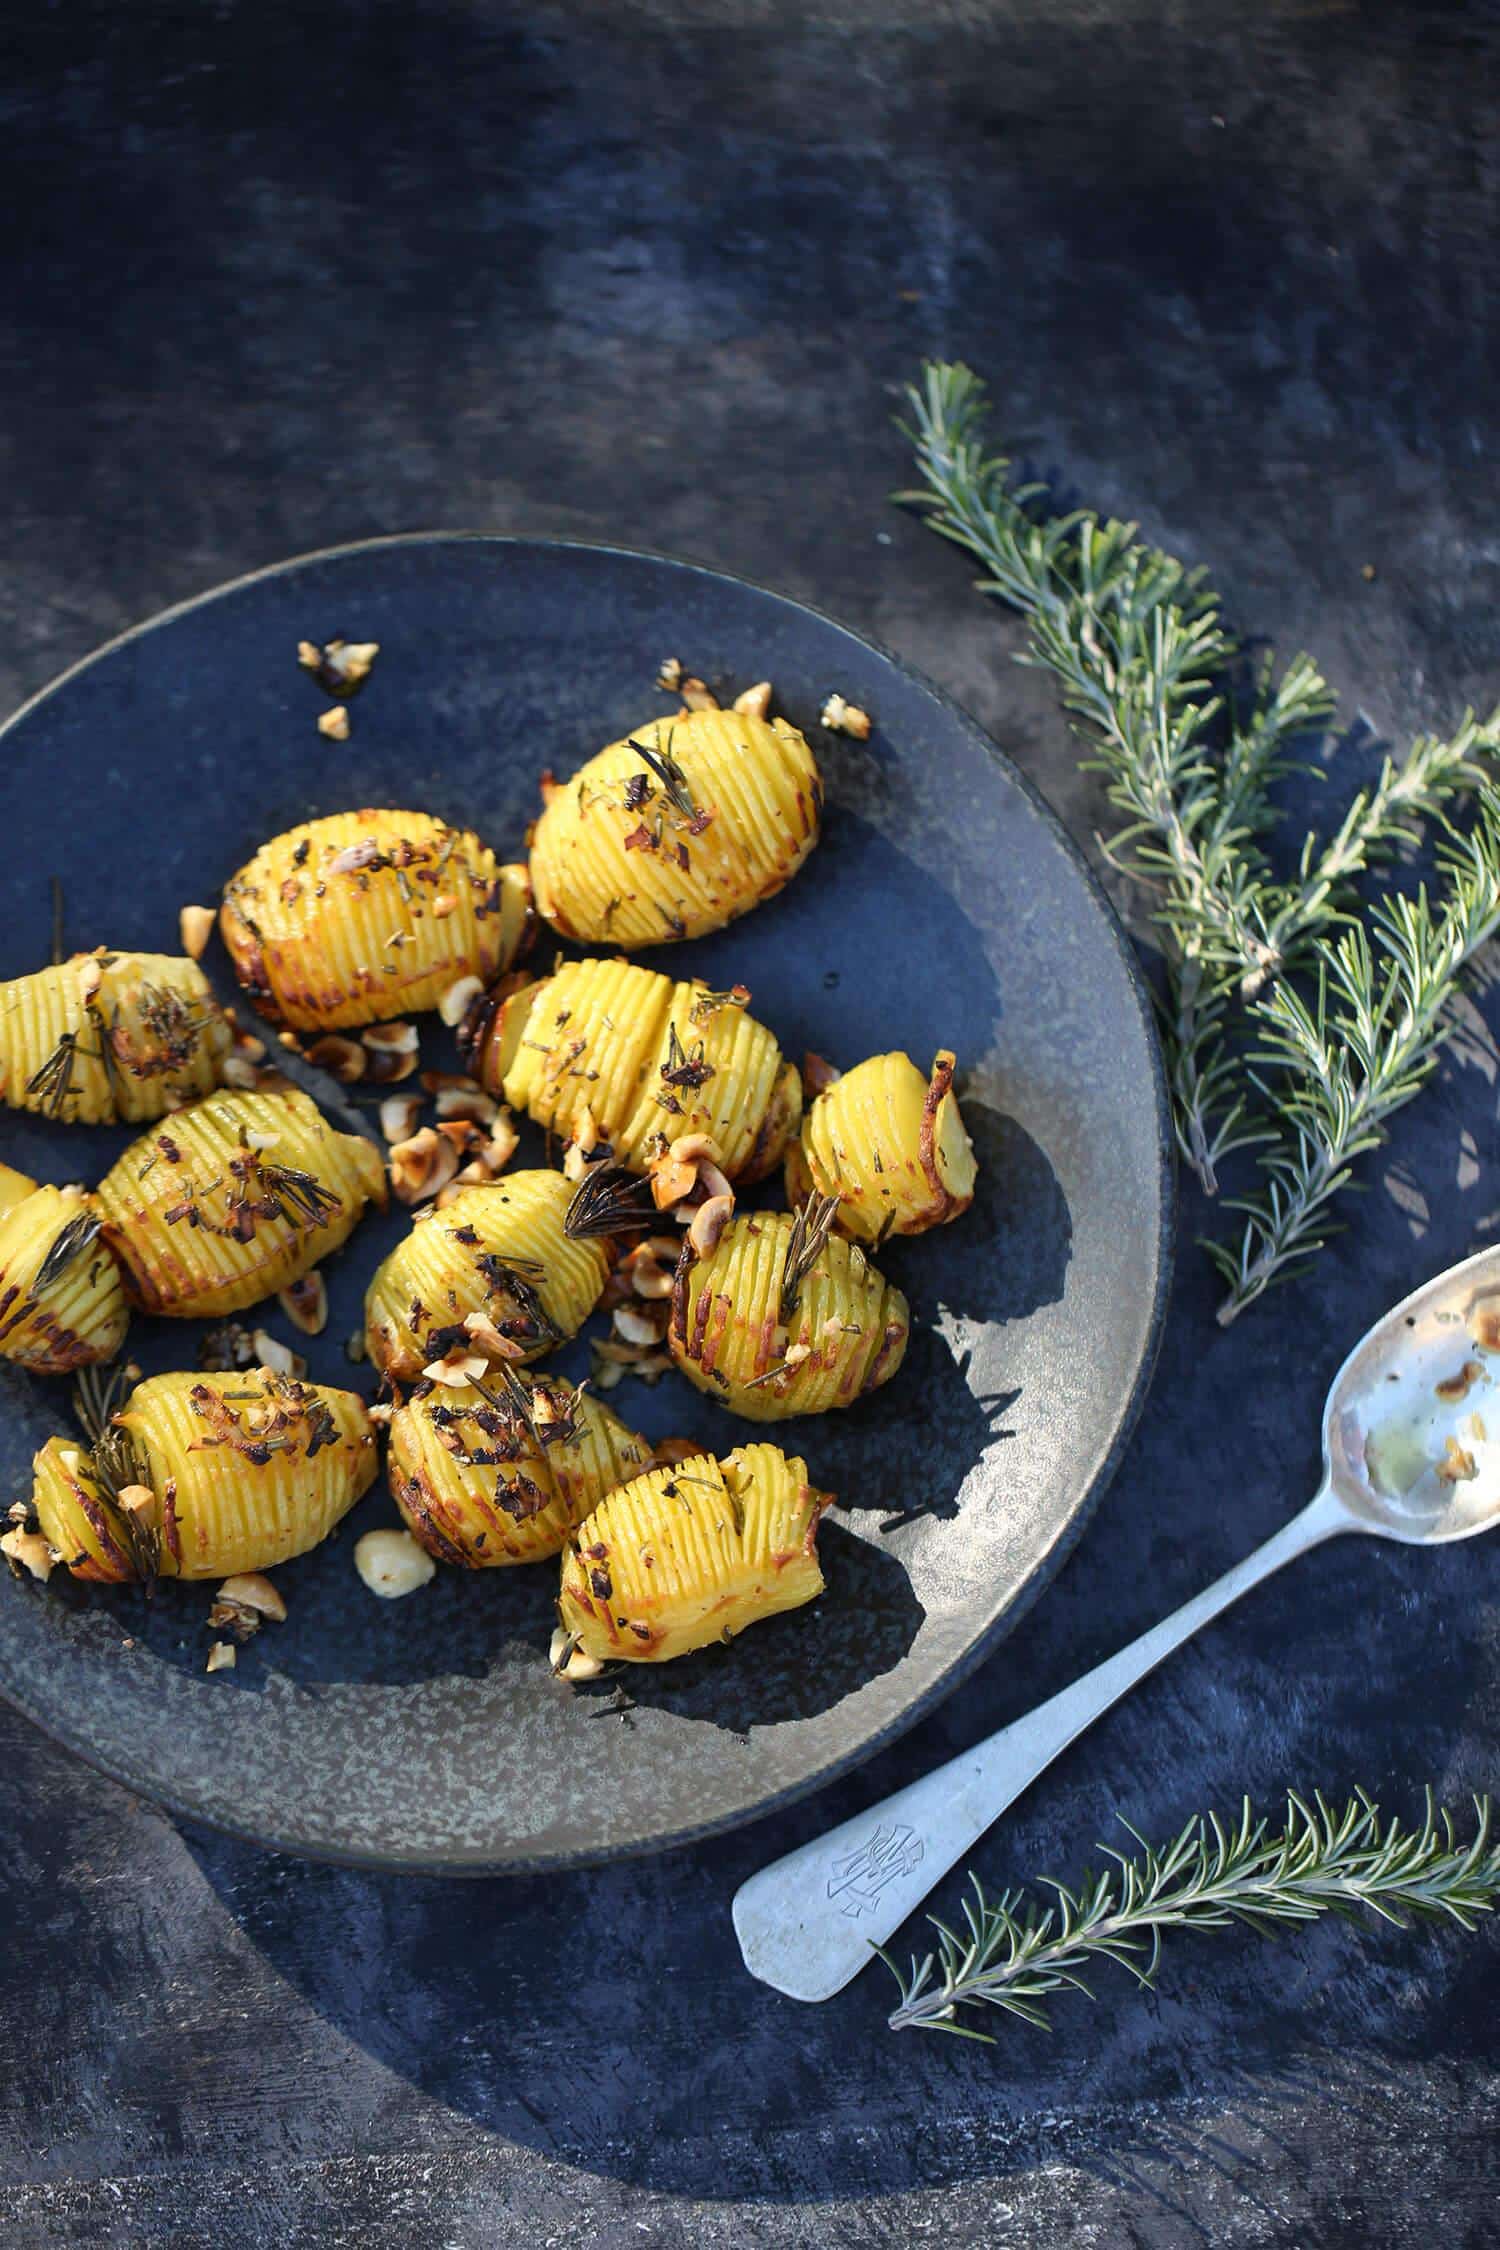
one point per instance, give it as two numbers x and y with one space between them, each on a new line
692 1553
676 830
891 1146
642 1060
61 1302
362 916
784 1317
497 1250
501 1474
201 1476
110 1038
233 1199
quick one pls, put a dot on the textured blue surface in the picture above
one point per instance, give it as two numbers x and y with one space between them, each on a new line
652 273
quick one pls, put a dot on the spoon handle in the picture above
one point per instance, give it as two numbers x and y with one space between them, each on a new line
807 1923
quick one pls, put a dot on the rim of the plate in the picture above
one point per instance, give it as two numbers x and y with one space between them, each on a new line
283 1838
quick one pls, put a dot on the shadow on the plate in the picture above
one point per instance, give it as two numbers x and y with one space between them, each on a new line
796 1665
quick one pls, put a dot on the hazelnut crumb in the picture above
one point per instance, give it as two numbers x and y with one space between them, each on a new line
196 924
334 723
669 673
221 1657
755 702
845 718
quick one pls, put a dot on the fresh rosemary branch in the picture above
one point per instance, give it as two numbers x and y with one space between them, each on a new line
1013 1953
1148 672
1358 1051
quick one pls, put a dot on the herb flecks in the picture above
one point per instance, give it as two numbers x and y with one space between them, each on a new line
610 1200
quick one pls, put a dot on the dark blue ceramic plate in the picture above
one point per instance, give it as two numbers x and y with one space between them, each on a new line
944 906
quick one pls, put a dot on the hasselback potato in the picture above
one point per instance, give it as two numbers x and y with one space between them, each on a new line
497 1249
691 1554
200 1476
891 1146
503 1475
61 1302
232 1199
110 1037
648 1059
785 1318
675 830
363 916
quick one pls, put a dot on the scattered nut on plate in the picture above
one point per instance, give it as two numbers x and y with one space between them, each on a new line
392 1564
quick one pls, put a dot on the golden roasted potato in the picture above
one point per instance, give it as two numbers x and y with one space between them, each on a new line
502 1475
892 1149
61 1302
363 916
200 1476
785 1318
234 1198
497 1249
676 830
647 1059
690 1554
110 1038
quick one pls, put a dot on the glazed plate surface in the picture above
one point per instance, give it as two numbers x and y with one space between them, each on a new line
944 906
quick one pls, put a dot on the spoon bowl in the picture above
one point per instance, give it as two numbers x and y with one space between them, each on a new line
1411 1430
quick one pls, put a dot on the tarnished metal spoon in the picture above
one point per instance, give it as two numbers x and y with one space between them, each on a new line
1410 1452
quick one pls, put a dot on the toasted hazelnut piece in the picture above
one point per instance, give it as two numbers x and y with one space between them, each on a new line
708 1223
817 1075
698 696
795 1354
755 701
28 1550
398 1116
251 1589
443 905
392 1564
342 666
239 1072
669 674
137 1499
488 1338
568 1660
90 977
221 1657
671 1180
467 1101
271 1353
248 1047
845 718
196 925
422 1165
393 1051
382 1414
651 1268
345 1059
459 998
504 1141
334 723
290 1041
456 1368
633 1325
305 1303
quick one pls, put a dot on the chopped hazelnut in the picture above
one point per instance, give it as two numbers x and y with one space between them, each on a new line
422 1165
669 674
488 1338
443 905
697 696
28 1550
845 718
392 1564
568 1660
334 723
398 1116
305 1303
221 1657
251 1589
279 1358
392 1051
196 924
458 999
237 1071
708 1223
346 1059
755 701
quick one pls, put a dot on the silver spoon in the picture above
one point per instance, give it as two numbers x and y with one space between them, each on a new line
1407 1454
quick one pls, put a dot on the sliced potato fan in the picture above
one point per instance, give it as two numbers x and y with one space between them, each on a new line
498 1251
691 1554
200 1476
363 916
110 1038
232 1199
61 1301
891 1146
676 830
785 1318
642 1061
501 1474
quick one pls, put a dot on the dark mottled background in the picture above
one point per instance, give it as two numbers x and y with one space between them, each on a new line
275 278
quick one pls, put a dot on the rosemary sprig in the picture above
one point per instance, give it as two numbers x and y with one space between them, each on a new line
810 1226
1014 1952
1150 674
